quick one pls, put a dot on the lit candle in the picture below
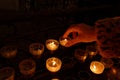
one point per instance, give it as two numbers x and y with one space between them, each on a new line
53 64
114 73
52 44
92 53
91 50
63 41
36 49
97 67
80 55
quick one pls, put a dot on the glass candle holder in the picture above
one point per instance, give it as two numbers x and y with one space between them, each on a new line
8 51
80 55
91 50
97 67
52 44
36 49
63 41
108 63
114 73
27 67
53 64
7 73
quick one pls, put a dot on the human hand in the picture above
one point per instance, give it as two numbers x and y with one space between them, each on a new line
84 33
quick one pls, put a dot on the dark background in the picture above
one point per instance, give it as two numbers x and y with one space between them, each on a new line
23 17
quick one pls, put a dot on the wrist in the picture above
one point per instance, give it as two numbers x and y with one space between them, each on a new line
94 35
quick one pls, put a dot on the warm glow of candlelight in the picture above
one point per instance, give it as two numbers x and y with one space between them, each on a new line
114 71
92 53
97 67
63 41
80 55
53 64
92 50
52 44
55 79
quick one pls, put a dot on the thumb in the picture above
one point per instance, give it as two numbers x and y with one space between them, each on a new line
73 42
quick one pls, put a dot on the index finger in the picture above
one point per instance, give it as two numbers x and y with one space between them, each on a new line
70 30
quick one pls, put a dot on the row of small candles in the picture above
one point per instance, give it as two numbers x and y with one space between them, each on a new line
36 49
53 64
28 66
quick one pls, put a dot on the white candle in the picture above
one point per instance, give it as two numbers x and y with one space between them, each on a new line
97 67
63 41
53 64
52 44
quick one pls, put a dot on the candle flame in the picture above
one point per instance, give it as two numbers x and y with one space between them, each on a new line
65 39
97 67
52 43
114 71
54 63
94 66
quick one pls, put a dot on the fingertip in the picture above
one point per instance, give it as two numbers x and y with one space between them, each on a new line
68 45
66 34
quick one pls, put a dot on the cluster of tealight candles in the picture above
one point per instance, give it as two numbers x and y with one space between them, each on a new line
53 64
96 67
28 66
